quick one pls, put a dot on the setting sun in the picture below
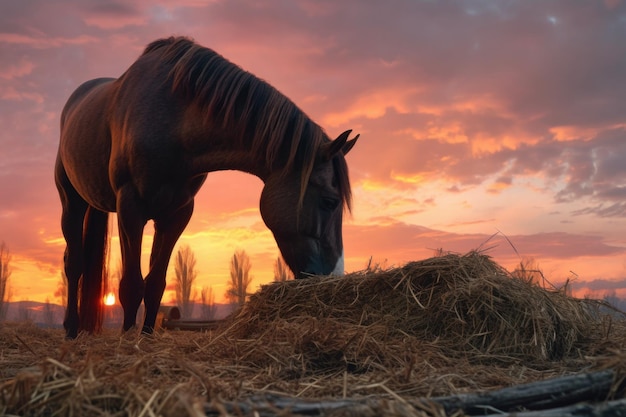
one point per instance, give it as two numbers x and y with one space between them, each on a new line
109 299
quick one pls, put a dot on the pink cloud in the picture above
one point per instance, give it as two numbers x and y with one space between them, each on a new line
9 70
41 42
113 15
11 94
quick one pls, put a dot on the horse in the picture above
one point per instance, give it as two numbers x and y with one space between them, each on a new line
142 145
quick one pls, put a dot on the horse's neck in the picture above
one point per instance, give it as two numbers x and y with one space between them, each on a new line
223 160
215 150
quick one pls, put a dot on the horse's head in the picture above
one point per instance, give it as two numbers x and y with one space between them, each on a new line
307 227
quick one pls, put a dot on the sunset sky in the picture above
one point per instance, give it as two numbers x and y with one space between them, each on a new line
478 119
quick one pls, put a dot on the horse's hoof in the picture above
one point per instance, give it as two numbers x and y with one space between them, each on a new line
71 334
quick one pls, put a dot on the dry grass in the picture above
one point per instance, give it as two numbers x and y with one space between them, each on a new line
441 326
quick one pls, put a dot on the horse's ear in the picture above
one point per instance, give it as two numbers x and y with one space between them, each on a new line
341 144
349 145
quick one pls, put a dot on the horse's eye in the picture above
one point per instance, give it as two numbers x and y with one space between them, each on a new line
329 203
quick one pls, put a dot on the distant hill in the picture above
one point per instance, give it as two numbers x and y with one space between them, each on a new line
51 315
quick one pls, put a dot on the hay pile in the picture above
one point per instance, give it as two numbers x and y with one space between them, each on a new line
468 304
445 325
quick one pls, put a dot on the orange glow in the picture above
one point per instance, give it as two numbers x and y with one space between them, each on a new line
570 133
374 105
408 179
498 187
373 185
452 133
109 299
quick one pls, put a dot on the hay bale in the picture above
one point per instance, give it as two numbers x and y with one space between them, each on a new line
466 303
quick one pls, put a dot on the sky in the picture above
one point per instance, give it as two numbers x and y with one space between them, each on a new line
497 125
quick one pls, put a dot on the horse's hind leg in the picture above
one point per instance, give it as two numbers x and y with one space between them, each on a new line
167 232
74 209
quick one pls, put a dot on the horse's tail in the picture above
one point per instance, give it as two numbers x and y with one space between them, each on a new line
95 247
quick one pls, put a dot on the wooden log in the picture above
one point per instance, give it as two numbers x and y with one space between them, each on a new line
541 395
580 395
191 325
616 408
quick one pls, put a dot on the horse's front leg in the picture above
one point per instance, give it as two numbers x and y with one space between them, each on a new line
167 230
131 223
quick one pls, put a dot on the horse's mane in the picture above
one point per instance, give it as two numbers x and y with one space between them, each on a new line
249 107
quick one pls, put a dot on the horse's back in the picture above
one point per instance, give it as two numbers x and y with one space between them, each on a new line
81 93
85 144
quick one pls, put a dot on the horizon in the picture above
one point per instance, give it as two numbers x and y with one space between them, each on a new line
37 311
483 125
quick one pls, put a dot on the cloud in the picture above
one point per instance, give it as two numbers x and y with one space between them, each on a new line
43 42
114 15
603 210
594 169
10 71
407 242
11 94
473 115
600 284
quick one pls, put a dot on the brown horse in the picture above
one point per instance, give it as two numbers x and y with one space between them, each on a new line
142 145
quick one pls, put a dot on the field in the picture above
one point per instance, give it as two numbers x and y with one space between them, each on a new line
417 340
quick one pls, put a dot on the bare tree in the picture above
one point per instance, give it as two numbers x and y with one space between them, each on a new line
375 266
48 313
281 270
5 274
528 270
240 277
611 297
114 278
61 291
23 312
208 303
440 252
185 269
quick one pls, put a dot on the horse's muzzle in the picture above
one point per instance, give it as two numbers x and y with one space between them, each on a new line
315 261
